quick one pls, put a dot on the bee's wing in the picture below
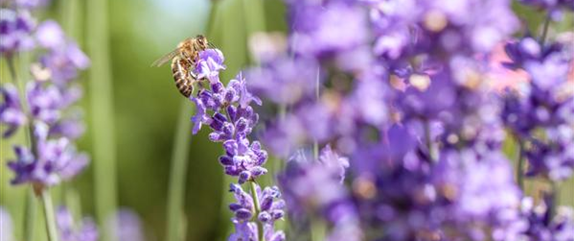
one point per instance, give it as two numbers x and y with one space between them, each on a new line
166 58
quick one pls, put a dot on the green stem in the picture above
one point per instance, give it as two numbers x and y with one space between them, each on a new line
102 115
428 141
49 215
30 203
520 167
30 216
175 198
12 70
554 199
545 30
318 229
257 211
317 96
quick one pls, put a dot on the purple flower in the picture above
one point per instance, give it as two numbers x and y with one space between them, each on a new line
232 121
554 6
284 80
467 26
64 62
553 159
86 230
227 111
240 87
69 126
332 160
6 226
11 113
15 31
270 210
126 225
540 226
315 188
547 105
51 162
483 181
243 231
200 116
209 64
31 4
45 101
324 30
50 35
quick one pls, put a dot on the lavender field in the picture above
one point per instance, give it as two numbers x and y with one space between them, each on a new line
298 120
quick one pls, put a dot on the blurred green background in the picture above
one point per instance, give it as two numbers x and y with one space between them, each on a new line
146 107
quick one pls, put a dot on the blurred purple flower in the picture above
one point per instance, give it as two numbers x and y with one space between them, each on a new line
64 62
553 6
31 4
11 113
6 226
86 230
543 227
15 31
126 225
483 182
315 188
45 101
69 126
554 159
243 231
331 160
547 105
55 160
324 30
50 35
284 81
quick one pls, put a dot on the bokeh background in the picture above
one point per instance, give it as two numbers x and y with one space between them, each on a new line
145 107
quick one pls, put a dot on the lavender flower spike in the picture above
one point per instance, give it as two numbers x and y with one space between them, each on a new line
55 161
15 31
126 225
227 111
86 230
11 113
271 210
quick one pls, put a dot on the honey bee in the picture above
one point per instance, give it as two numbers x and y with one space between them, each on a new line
183 60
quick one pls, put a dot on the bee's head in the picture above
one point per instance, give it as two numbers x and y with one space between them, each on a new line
202 41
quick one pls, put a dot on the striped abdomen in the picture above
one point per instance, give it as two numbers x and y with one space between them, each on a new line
180 69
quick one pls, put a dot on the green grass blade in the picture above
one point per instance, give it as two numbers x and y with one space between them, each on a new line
102 116
175 229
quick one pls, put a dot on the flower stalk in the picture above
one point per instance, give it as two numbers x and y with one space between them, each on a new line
257 208
49 216
520 165
545 29
30 216
429 142
30 202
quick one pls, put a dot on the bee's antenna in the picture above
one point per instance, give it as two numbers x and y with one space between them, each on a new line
211 45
